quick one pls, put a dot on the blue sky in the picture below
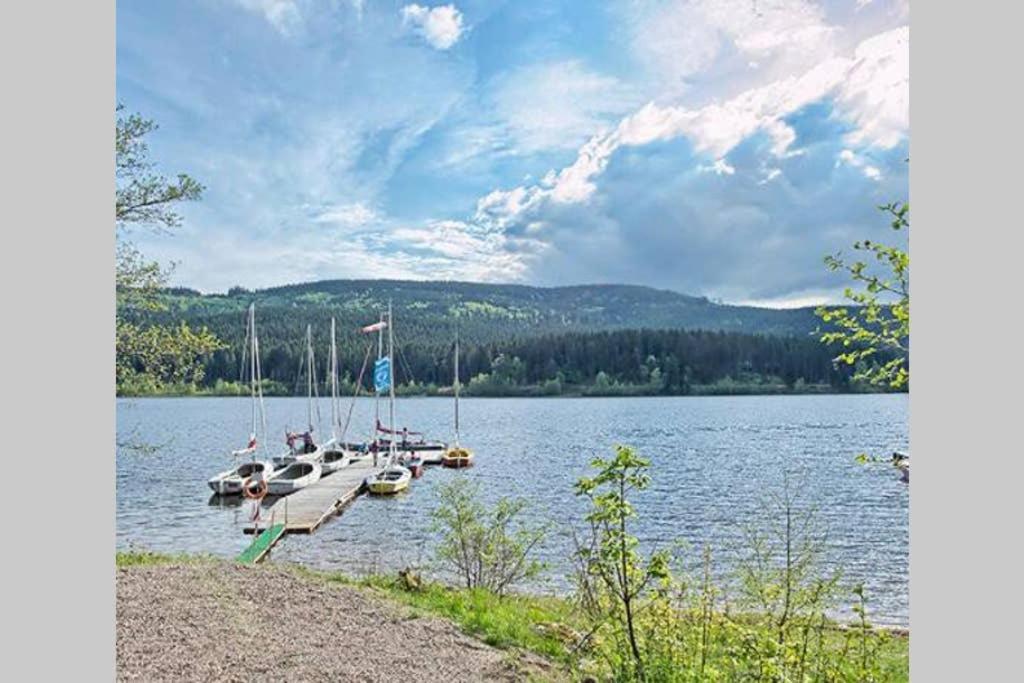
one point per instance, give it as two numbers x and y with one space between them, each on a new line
712 147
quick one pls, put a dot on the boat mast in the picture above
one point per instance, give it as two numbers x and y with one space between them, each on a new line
456 388
258 380
334 383
391 385
252 366
309 375
380 354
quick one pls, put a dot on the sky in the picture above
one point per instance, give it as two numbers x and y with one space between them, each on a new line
713 147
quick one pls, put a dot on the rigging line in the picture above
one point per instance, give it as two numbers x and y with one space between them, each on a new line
359 385
408 368
316 390
259 384
245 347
299 375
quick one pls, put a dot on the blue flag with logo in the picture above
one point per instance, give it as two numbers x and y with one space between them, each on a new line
382 374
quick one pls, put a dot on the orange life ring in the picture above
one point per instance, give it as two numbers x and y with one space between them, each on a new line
261 488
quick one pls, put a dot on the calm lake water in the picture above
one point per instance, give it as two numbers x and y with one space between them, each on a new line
714 461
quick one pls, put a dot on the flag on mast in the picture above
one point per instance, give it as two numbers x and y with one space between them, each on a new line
382 374
374 327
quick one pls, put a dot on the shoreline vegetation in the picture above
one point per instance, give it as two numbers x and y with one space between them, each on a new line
478 389
635 615
538 637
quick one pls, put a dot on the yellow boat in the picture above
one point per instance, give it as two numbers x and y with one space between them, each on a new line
457 456
391 479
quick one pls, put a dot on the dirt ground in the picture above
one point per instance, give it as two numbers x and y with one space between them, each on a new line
223 622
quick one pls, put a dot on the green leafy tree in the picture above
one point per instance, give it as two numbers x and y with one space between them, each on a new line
879 321
615 578
488 548
149 355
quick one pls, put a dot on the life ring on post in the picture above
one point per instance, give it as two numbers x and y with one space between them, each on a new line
260 484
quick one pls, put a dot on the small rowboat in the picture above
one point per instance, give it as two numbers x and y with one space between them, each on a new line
293 477
230 482
390 480
298 455
334 459
457 457
413 463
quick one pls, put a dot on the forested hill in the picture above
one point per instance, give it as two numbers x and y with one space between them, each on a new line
515 339
482 312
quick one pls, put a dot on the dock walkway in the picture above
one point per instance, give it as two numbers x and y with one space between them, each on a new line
305 510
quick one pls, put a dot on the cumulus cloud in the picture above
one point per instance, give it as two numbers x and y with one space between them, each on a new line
440 26
862 85
682 39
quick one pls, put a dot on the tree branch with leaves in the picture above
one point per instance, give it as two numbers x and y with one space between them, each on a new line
149 355
879 321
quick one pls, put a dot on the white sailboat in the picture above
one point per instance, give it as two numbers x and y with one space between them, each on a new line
301 446
292 477
234 480
335 456
457 456
393 478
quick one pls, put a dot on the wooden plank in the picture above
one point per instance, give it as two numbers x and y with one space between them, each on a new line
261 545
306 509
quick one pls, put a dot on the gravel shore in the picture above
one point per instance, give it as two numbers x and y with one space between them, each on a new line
216 621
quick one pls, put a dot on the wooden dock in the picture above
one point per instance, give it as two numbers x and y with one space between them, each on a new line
305 510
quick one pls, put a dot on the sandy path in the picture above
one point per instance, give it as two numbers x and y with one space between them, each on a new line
222 622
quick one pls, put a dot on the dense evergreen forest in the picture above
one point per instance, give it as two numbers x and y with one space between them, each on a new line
517 340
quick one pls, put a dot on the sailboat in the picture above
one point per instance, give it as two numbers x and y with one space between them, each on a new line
301 446
393 478
335 455
234 480
457 455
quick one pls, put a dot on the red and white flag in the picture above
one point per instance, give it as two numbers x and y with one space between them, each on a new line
374 327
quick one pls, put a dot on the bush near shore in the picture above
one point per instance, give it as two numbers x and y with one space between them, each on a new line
550 627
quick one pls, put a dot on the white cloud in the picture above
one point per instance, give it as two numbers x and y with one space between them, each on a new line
680 40
876 91
851 158
283 15
464 251
557 105
719 167
347 215
861 83
440 26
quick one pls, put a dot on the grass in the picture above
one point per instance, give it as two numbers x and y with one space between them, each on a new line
145 558
539 624
542 625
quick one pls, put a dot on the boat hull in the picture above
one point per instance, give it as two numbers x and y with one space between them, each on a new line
231 482
457 458
334 461
281 484
389 482
288 458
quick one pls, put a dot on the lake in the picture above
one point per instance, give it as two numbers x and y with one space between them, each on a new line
714 461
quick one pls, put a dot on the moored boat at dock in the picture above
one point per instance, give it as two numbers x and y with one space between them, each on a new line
291 478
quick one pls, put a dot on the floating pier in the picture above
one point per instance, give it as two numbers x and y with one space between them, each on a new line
305 510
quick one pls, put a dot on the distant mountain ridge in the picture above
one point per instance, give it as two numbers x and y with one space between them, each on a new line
485 312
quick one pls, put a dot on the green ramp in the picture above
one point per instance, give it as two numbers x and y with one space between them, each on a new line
261 545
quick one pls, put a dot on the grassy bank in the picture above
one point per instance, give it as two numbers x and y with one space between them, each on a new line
549 627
